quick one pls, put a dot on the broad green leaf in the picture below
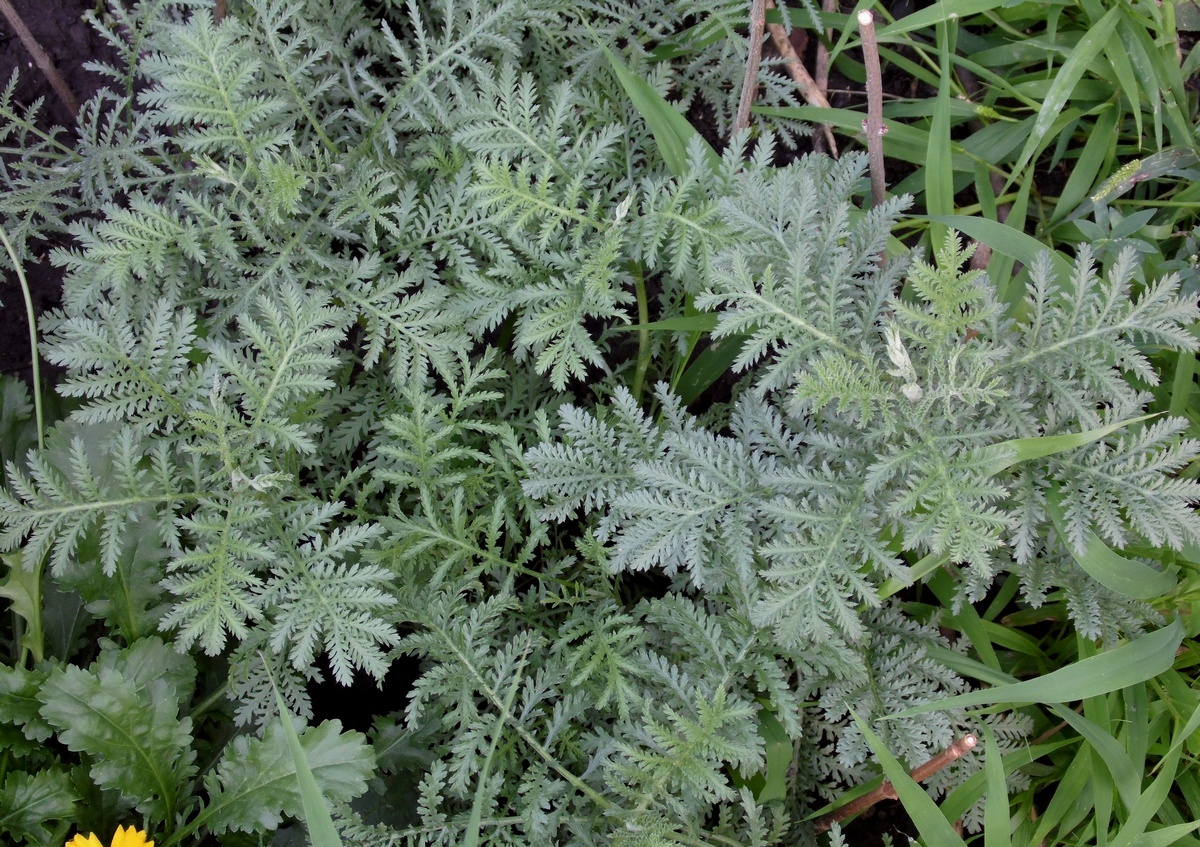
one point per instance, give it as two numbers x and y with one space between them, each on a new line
316 811
1137 661
1017 450
254 784
149 660
137 743
935 830
671 130
30 802
1107 566
713 361
23 589
130 599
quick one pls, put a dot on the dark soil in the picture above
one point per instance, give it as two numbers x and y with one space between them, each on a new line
58 26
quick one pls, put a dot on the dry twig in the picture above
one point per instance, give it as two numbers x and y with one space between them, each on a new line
758 17
40 57
812 93
873 125
888 792
822 69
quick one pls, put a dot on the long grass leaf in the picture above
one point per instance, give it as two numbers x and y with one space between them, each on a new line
1108 567
939 180
671 130
1007 240
1134 829
1066 82
1129 664
936 14
1126 776
996 819
926 816
317 820
1038 447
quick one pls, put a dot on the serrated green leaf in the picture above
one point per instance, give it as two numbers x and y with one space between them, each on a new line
149 660
23 589
137 743
19 701
254 785
29 803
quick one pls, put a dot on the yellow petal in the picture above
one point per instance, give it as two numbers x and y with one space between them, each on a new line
130 837
80 841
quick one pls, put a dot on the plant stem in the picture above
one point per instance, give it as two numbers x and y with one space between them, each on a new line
873 126
758 18
40 58
886 791
33 343
643 359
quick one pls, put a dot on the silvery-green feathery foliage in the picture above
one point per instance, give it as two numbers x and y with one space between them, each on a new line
342 286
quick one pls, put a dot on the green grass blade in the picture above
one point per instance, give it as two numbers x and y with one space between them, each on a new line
921 569
671 130
1126 776
935 830
996 825
1017 450
1065 82
1129 664
1181 385
712 362
936 14
939 179
1134 830
971 789
317 820
1100 144
705 322
1006 240
1107 566
1073 786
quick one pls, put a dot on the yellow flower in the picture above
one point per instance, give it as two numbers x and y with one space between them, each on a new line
124 837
